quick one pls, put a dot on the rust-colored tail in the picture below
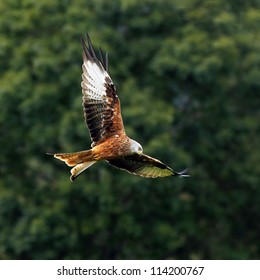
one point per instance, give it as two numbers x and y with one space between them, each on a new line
72 159
80 160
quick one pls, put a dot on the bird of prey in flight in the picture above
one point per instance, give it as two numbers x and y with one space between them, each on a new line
103 117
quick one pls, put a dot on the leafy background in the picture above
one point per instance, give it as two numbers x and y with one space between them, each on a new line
188 76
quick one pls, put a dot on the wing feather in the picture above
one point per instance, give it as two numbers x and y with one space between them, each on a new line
101 104
144 165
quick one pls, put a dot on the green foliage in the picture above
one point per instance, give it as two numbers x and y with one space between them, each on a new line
187 74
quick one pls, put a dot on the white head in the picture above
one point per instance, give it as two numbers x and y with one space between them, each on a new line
135 147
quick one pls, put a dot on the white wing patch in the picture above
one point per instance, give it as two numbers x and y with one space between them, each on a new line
93 80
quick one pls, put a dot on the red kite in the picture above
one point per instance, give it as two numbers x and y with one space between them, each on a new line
103 117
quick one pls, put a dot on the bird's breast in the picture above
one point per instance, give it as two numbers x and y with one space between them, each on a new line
113 147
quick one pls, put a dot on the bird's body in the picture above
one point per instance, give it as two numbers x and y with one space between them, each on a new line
103 117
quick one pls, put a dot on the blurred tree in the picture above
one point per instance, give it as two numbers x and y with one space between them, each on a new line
187 76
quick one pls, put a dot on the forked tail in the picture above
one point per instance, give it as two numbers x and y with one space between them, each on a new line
80 160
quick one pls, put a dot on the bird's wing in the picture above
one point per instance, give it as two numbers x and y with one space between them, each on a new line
101 104
145 166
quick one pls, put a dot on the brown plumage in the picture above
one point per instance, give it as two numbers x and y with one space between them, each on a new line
103 117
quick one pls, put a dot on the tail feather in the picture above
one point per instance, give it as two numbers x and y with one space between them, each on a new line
80 160
72 159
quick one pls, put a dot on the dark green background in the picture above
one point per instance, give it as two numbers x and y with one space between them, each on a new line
188 76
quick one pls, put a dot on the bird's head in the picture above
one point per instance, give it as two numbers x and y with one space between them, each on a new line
135 147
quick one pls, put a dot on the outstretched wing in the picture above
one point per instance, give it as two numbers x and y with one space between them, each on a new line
145 166
101 104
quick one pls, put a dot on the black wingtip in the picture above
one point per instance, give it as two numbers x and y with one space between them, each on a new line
106 62
91 53
85 49
184 173
82 42
90 47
